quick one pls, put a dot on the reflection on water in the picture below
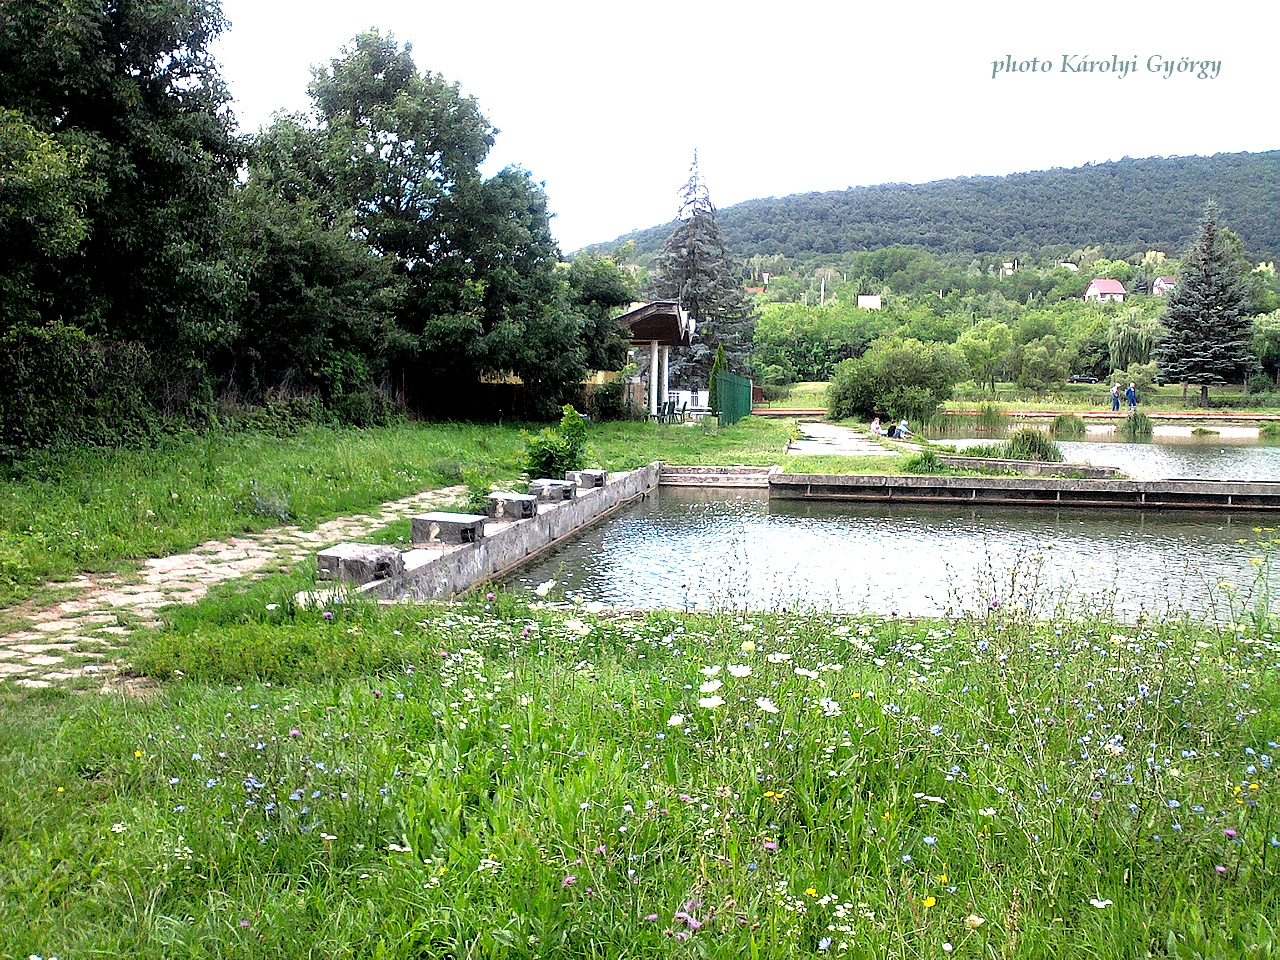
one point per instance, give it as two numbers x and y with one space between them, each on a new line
702 549
1170 458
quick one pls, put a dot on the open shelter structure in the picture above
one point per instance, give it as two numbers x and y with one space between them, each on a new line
661 325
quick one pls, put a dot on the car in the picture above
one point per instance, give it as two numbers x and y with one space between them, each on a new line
1082 378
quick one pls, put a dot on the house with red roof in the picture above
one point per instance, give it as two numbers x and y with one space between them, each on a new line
1162 285
1100 291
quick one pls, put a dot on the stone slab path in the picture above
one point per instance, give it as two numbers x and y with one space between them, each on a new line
77 640
834 440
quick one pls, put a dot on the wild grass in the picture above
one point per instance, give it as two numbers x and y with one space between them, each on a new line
98 509
1136 426
1068 426
498 780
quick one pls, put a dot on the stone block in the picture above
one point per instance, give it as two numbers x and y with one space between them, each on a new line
359 563
553 491
512 506
586 478
442 527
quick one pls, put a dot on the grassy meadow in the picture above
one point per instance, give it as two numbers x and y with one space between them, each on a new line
97 509
491 779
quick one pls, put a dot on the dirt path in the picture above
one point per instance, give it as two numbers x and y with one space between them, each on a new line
832 439
76 640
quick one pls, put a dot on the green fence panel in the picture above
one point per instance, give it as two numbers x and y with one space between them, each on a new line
733 395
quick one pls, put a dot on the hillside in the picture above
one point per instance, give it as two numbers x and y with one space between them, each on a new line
1126 206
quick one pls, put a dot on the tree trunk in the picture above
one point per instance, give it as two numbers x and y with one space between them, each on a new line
1184 387
1204 395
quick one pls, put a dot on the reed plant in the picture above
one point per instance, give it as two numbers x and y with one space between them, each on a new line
1068 426
1136 426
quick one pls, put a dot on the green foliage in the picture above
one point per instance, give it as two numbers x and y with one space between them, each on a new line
1028 443
1130 206
1136 426
553 450
807 342
985 347
695 267
1269 430
991 421
718 366
898 378
1043 363
1068 426
1208 331
926 462
1141 375
62 389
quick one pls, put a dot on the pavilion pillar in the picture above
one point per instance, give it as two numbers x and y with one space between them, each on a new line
653 378
665 382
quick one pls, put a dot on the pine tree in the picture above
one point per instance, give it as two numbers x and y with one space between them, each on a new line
697 269
1208 330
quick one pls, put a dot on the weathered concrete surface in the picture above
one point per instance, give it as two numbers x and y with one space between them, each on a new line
1032 468
444 527
586 479
735 476
504 505
359 563
438 574
1130 494
553 491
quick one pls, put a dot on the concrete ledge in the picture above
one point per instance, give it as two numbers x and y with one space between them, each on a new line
438 574
1048 491
1032 468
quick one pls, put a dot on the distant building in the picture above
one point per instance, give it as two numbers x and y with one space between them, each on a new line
1009 266
1068 265
869 301
1100 291
1162 285
755 289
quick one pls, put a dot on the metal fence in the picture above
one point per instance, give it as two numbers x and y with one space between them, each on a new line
733 396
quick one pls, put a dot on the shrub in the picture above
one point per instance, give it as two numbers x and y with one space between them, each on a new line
1205 432
553 450
1269 431
926 461
902 378
1261 383
989 451
610 401
1031 444
1137 426
1067 426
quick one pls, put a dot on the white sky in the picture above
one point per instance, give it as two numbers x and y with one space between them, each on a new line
606 103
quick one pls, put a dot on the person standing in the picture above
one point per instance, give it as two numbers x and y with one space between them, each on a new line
1131 397
1115 397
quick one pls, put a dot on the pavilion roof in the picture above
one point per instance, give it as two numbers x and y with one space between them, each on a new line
662 320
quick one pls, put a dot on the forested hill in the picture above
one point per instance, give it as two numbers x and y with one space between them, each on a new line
1127 206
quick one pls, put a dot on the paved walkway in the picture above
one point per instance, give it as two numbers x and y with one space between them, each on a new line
831 439
78 639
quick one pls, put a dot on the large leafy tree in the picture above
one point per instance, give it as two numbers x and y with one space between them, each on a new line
696 268
130 88
1208 330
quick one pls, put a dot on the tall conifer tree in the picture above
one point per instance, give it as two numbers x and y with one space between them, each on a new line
1208 330
696 268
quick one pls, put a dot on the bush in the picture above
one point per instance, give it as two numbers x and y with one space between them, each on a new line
1269 431
553 450
773 392
984 451
610 401
1031 444
1068 426
1136 426
901 378
926 461
1261 383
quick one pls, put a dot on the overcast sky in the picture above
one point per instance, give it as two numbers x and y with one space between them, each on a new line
606 103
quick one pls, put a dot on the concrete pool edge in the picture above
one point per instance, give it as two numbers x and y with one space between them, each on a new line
1031 491
463 568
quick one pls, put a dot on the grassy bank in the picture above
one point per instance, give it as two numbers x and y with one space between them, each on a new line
94 510
495 780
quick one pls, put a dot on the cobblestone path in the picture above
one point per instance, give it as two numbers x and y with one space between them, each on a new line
77 640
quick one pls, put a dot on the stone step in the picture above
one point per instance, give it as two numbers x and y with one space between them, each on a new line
732 476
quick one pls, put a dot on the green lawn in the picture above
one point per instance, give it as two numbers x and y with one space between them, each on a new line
495 780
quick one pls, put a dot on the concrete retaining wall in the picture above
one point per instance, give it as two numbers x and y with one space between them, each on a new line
432 577
1130 494
1031 468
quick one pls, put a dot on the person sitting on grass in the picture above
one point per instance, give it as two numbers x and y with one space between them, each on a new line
904 430
875 427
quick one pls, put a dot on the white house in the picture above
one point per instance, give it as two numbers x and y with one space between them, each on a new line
1101 291
1162 285
869 301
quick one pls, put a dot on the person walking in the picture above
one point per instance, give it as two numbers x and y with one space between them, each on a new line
1131 397
1115 397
